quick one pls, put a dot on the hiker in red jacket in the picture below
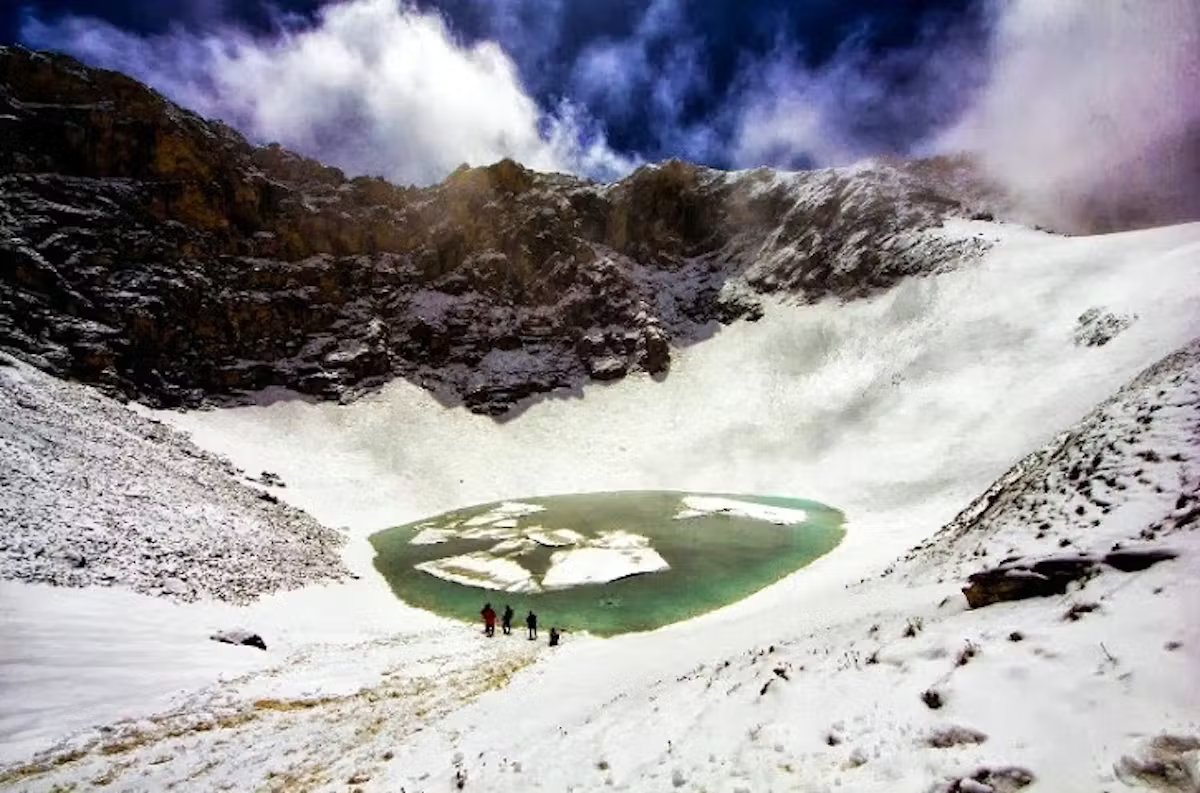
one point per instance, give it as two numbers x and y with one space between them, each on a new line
489 620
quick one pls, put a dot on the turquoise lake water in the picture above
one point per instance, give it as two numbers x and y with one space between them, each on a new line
714 559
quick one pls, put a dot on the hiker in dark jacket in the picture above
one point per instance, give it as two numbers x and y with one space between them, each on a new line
554 636
506 620
489 619
531 623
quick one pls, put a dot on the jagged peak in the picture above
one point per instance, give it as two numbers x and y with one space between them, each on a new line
504 176
295 261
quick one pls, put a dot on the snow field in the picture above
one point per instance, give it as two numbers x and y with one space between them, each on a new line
898 410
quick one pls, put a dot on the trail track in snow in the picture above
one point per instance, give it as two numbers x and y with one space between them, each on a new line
283 728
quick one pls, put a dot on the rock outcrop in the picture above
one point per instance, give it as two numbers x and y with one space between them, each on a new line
1016 581
1019 579
239 637
164 258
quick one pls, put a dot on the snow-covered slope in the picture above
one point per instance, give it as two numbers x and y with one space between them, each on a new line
1126 477
897 686
91 493
900 409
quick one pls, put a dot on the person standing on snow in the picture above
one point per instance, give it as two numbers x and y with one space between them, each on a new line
506 620
489 620
531 623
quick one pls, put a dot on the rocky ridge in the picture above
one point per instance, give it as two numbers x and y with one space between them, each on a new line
164 258
91 493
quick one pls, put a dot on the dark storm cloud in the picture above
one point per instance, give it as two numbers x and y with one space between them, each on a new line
661 77
1081 108
372 86
665 75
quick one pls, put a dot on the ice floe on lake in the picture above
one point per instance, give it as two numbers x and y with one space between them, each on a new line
482 569
554 538
494 532
700 506
608 557
514 547
505 514
433 536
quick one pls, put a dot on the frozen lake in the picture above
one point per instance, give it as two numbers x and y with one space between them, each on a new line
606 563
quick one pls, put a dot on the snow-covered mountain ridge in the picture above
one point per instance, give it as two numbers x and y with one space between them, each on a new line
1132 464
164 258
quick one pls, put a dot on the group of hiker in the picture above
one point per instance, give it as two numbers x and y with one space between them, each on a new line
531 624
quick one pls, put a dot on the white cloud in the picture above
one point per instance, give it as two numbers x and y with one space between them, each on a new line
786 115
1092 113
860 102
374 86
649 77
1087 111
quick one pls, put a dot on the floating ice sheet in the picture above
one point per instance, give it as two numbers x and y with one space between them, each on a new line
482 569
612 555
699 506
504 514
554 538
514 547
433 536
488 533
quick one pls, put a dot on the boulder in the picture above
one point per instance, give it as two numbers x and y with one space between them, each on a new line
609 367
1131 560
1020 579
244 638
1167 762
654 352
1096 327
993 780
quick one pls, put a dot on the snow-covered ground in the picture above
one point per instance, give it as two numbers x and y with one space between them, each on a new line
900 410
914 400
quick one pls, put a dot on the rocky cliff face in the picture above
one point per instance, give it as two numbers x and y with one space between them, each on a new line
164 258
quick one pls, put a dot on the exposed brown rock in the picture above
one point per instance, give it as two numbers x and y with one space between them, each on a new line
1020 580
165 258
1167 763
